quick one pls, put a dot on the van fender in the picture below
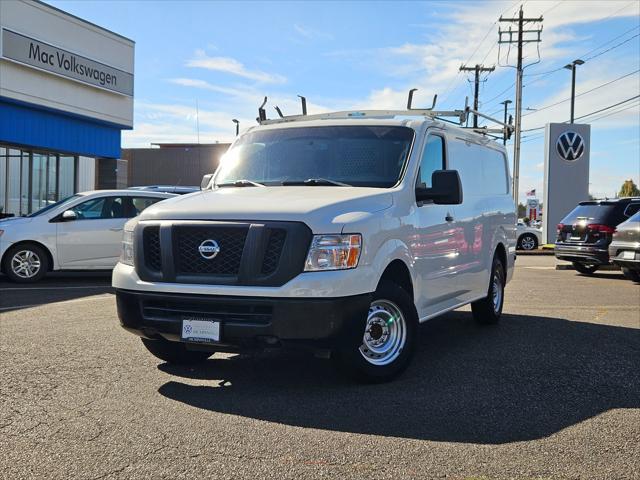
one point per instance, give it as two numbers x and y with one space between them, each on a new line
391 250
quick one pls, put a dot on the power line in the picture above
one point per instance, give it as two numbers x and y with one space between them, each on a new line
636 105
609 107
455 79
612 48
583 93
549 72
588 114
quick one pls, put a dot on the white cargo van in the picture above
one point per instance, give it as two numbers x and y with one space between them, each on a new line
341 232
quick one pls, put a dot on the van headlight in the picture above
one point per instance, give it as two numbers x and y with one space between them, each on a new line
126 256
333 252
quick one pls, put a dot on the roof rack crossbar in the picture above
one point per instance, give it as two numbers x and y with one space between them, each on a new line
414 112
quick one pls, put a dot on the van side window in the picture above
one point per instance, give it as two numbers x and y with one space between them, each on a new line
483 170
432 160
494 172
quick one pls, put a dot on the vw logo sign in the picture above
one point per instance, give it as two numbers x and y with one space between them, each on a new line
209 249
570 146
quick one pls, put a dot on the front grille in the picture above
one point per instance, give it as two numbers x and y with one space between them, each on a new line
273 251
151 244
250 253
245 313
187 239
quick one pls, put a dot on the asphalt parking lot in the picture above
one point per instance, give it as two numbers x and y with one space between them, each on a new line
552 392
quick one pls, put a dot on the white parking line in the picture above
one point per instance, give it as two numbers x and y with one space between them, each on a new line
54 288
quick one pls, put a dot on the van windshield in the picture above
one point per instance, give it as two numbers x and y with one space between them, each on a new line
362 156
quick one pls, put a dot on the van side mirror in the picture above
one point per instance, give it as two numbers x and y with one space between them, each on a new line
68 216
446 188
205 181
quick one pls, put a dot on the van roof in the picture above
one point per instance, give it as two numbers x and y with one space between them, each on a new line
413 122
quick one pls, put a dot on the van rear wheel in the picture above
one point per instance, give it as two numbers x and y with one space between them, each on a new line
174 352
379 347
488 310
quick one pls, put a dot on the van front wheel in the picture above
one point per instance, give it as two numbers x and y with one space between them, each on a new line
488 310
379 347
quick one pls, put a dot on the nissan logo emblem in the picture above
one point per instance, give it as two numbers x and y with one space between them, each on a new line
209 249
570 146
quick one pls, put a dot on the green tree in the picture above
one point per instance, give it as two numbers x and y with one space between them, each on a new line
629 189
522 210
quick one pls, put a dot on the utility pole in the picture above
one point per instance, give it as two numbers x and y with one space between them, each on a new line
572 67
476 92
506 107
532 36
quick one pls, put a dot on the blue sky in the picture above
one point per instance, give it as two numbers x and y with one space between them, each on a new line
227 55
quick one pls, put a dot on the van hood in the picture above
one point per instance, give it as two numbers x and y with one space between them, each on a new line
324 209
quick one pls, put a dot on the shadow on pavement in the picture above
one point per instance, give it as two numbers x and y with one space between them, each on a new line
55 287
525 379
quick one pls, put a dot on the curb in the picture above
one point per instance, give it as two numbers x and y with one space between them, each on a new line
534 252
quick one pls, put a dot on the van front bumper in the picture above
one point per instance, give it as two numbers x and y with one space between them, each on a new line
244 321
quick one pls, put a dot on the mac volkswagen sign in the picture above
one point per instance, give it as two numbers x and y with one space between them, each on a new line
43 56
570 146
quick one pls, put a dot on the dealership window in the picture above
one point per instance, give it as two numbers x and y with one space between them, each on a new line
31 180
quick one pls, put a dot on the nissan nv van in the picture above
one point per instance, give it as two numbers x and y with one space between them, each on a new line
340 232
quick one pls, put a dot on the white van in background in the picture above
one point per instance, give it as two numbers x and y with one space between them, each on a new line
342 233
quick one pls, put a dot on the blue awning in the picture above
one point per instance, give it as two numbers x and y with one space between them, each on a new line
34 127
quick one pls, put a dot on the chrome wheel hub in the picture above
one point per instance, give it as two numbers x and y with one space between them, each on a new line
25 264
385 333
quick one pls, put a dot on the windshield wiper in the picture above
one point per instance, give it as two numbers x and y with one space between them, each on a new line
240 183
316 181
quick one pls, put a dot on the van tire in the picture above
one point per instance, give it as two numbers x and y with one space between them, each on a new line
488 310
174 352
585 269
30 252
392 315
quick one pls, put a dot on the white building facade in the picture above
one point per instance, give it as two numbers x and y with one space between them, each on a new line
66 93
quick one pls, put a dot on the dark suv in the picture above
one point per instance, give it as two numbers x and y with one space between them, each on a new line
585 233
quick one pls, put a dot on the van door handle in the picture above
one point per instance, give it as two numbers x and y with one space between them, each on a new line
449 218
116 229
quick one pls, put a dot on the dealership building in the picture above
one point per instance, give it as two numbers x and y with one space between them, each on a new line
66 93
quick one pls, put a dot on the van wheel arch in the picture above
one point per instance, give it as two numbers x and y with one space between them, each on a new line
398 273
31 242
501 253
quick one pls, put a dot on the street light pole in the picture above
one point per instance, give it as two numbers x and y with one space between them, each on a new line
572 66
506 107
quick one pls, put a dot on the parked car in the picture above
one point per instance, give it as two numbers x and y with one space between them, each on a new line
625 247
528 238
585 233
82 232
177 189
333 232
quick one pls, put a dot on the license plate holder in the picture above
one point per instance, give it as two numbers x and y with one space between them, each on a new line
200 329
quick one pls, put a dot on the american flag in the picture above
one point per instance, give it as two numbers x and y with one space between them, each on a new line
531 193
